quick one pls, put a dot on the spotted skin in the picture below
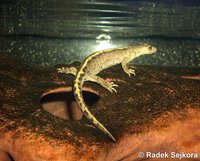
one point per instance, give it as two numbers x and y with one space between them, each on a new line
97 62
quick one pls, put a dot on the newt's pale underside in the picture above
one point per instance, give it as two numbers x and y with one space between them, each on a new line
97 62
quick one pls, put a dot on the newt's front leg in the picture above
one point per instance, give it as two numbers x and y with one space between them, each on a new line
128 70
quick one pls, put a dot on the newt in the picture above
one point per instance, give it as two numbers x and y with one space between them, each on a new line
97 62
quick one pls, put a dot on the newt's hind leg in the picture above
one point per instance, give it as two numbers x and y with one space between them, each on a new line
108 85
70 70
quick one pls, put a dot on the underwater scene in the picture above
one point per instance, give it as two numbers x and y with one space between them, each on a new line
100 80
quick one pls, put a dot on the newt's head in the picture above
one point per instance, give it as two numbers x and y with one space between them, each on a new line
144 49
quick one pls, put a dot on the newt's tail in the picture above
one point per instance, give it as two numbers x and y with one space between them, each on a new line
79 99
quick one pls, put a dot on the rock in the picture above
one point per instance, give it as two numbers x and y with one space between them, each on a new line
158 110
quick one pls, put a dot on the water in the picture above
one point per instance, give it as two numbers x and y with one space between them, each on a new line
48 33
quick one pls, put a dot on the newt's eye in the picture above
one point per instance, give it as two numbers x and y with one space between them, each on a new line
150 47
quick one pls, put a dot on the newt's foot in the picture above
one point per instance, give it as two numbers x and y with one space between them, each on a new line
111 87
128 69
130 72
70 70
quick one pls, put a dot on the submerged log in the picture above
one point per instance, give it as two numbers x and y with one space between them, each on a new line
157 110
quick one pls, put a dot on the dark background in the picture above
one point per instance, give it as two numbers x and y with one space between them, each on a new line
62 31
